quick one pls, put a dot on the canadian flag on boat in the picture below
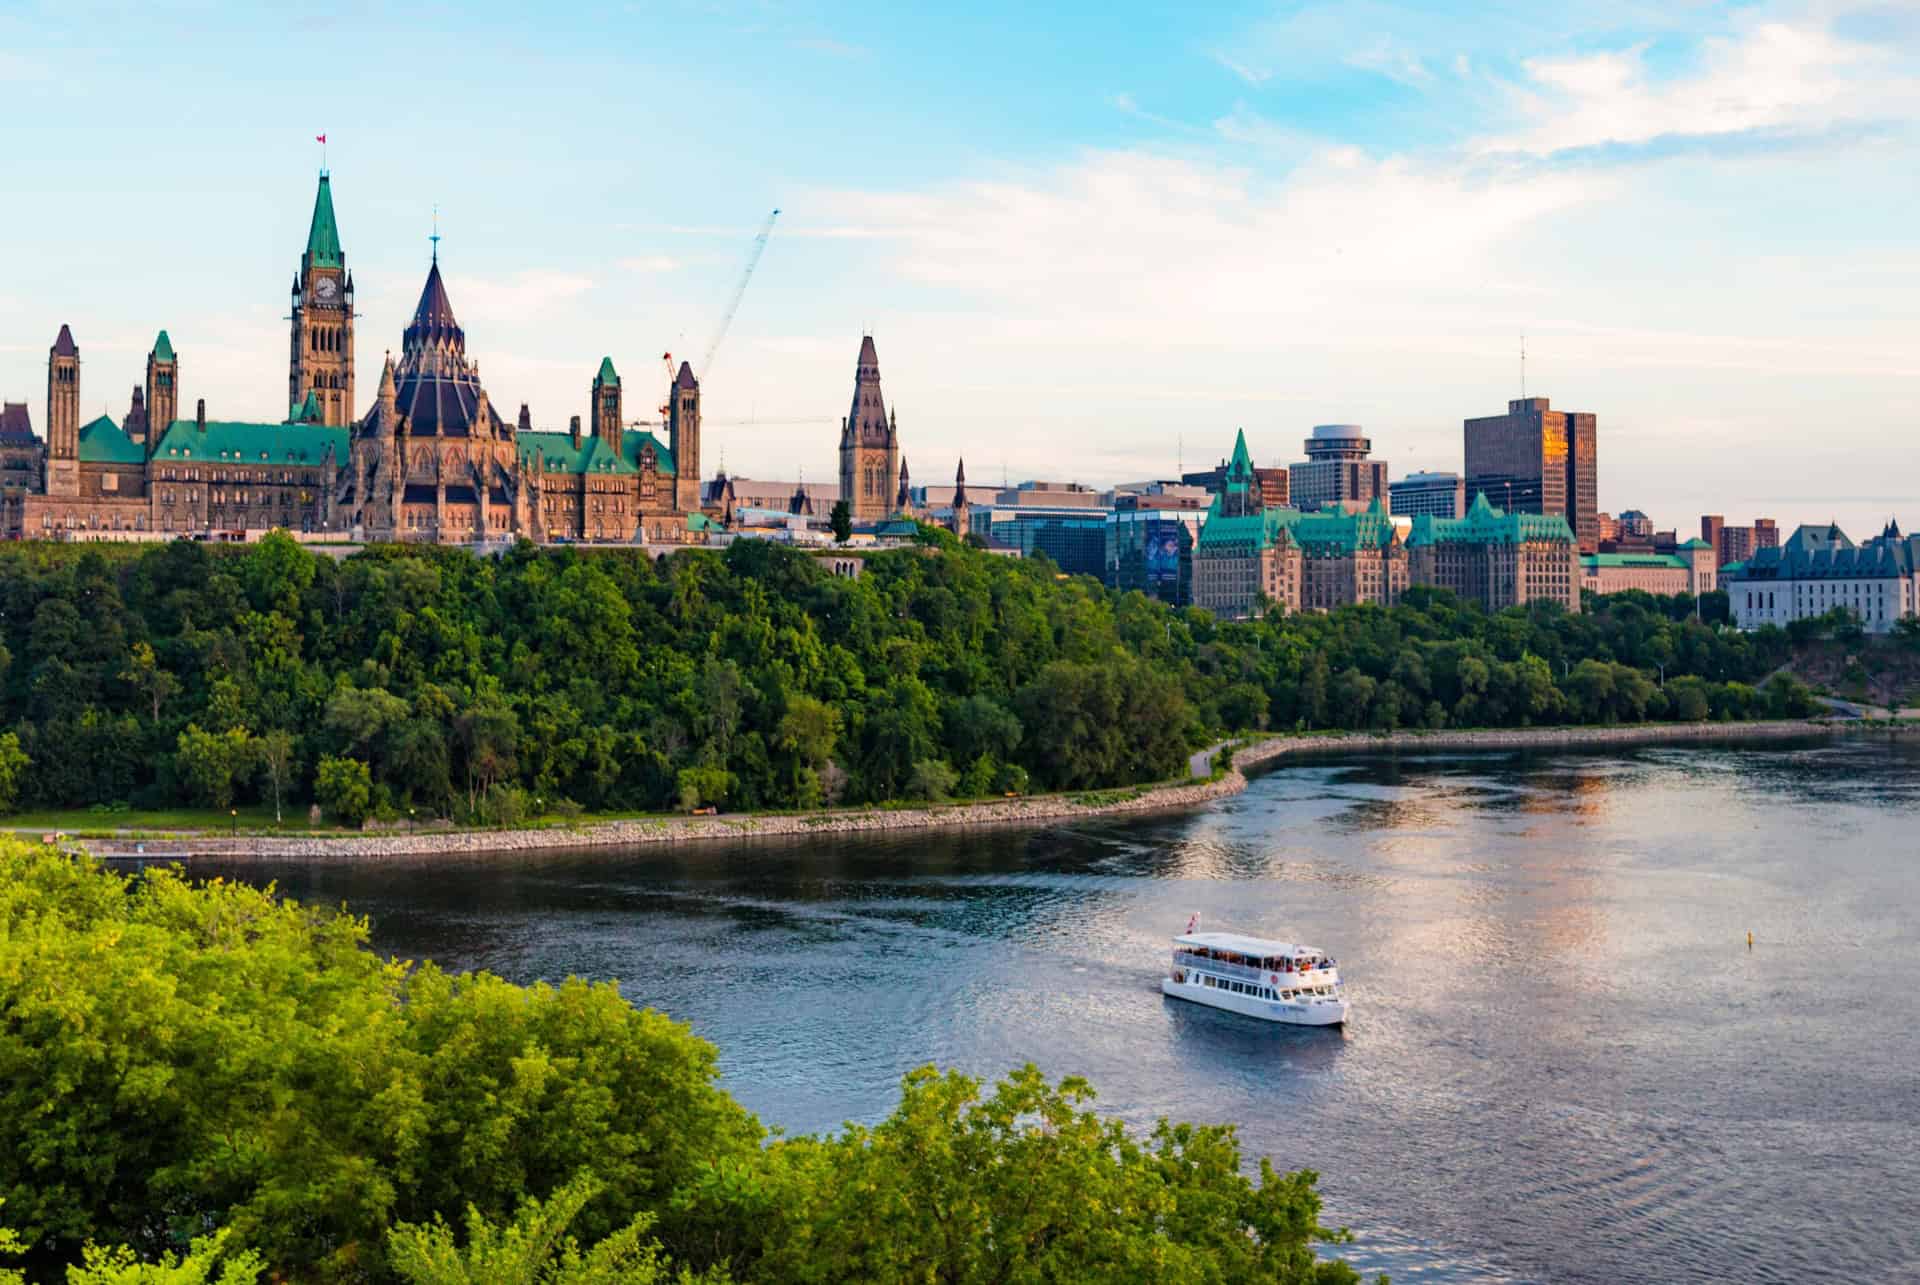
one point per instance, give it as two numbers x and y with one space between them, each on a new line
1193 924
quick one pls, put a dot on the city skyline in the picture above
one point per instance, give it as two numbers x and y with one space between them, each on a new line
1140 239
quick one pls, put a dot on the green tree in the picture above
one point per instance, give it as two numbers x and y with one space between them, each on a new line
210 764
344 787
147 677
274 753
840 521
13 769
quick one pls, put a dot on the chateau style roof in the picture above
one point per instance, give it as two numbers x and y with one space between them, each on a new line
437 389
323 236
607 376
1824 552
239 442
103 442
16 425
163 348
1485 524
63 345
1330 531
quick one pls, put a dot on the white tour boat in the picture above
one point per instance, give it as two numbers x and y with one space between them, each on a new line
1275 981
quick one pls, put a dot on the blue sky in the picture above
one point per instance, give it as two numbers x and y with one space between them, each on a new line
1091 241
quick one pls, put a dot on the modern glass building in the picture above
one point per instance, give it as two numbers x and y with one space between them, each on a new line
1152 550
1535 459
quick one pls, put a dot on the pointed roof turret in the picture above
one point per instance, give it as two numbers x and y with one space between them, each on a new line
63 345
1241 466
163 348
685 378
960 484
323 236
607 375
433 320
387 389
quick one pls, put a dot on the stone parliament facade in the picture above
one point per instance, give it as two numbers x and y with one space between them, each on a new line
432 459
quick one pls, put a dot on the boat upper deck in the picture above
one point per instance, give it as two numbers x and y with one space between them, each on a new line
1240 944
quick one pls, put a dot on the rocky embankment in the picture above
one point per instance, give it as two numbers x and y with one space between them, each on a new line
1040 810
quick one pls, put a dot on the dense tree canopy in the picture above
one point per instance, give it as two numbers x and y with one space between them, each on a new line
490 687
200 1082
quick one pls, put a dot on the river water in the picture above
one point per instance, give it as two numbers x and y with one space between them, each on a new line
1565 1063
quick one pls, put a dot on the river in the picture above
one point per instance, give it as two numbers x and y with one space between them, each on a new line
1565 1063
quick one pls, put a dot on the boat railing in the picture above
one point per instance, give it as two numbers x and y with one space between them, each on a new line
1218 967
1184 959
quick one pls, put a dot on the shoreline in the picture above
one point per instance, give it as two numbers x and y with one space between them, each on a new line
1038 811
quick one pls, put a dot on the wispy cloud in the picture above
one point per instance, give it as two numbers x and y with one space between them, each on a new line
1255 76
1772 79
521 295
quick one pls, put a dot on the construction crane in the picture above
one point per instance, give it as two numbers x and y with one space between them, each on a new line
739 292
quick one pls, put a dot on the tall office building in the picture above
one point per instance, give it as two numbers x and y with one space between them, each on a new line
1440 495
1535 459
1337 468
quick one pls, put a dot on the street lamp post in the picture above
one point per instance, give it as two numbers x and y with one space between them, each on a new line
233 815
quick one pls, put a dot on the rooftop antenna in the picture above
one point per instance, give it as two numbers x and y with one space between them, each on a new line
435 238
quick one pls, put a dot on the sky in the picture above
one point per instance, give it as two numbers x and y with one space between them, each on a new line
1091 240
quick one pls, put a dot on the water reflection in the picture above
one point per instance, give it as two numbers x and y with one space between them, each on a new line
1563 1061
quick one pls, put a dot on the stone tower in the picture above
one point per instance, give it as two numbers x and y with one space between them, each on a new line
63 416
962 507
869 444
321 354
683 439
163 390
606 405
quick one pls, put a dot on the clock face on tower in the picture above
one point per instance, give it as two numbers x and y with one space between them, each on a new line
326 290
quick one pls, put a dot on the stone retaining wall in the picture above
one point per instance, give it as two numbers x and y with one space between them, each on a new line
1048 809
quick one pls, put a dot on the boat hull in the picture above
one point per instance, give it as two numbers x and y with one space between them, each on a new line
1329 1013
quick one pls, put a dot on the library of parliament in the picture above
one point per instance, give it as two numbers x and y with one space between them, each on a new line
431 459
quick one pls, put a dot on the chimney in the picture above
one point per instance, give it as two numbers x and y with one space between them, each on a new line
573 427
200 416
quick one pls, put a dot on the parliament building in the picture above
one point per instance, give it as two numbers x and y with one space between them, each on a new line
431 459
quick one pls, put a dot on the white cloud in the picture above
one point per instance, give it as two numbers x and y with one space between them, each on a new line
1121 243
521 295
1769 78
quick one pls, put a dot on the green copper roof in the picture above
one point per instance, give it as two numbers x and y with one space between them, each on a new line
1242 463
1328 531
607 375
323 237
104 442
632 444
242 443
1594 561
701 522
591 456
306 412
1485 524
560 455
163 348
1696 543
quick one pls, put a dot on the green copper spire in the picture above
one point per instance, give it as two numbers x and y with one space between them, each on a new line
163 348
607 376
1242 463
323 238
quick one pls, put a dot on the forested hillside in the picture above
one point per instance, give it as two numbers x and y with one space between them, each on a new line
559 679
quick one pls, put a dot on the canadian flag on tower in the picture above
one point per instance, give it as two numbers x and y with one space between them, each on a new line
319 138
